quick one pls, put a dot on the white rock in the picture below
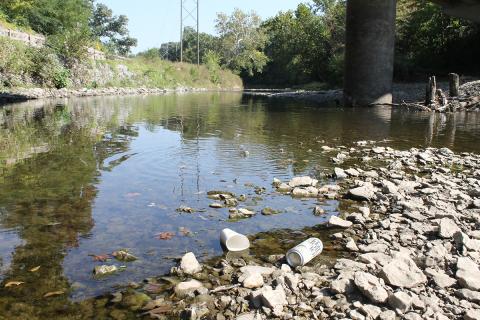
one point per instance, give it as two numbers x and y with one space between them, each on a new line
472 314
340 173
403 272
264 271
447 228
468 274
363 193
440 278
273 298
189 264
370 286
352 172
335 221
183 289
253 280
400 301
246 212
351 245
302 182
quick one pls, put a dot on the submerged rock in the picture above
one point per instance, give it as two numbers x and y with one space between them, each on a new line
104 270
302 182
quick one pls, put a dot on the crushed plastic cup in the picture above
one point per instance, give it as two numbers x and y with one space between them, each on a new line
234 241
304 252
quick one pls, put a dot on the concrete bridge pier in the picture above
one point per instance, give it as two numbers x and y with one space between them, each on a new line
370 47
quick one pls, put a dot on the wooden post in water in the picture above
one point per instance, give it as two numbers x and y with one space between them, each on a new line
431 91
454 84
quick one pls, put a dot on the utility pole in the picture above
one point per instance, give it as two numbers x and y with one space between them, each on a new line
187 9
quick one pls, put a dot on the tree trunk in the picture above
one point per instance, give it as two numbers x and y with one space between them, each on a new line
454 84
431 91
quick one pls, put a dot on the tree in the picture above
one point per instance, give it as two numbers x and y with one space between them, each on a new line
242 41
112 30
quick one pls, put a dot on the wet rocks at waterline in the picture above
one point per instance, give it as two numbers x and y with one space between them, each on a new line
412 250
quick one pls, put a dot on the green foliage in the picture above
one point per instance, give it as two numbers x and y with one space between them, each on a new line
429 41
112 29
242 42
305 45
212 62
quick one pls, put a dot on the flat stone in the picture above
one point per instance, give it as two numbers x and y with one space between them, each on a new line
472 314
189 264
246 212
301 193
400 301
363 193
470 295
253 280
343 283
340 173
283 187
468 274
347 264
447 228
264 271
440 278
302 182
352 172
371 311
351 245
335 221
183 289
402 272
387 315
377 258
370 286
273 298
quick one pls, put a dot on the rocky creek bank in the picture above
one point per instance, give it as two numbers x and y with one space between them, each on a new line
43 93
412 235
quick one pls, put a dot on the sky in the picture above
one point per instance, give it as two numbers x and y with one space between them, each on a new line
154 22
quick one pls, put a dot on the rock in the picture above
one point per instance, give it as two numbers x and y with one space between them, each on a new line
335 221
472 314
104 270
216 205
189 264
340 173
347 264
363 193
269 211
352 172
440 278
284 188
371 311
447 228
370 286
248 316
351 245
343 283
135 300
318 211
301 193
468 274
365 211
400 301
186 288
302 182
273 298
253 280
245 212
470 295
402 272
378 150
387 315
264 271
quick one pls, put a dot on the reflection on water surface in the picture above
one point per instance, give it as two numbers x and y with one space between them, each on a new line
89 176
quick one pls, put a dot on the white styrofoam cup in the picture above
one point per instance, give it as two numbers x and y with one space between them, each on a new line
234 241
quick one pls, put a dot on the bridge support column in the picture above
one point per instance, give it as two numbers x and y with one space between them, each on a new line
370 47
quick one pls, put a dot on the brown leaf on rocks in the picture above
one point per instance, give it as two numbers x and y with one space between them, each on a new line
165 235
53 293
100 258
13 283
185 231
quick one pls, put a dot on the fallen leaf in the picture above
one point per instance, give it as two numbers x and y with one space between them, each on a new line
35 269
185 232
53 293
13 283
165 235
132 194
100 258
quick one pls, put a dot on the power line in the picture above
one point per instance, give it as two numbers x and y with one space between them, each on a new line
187 12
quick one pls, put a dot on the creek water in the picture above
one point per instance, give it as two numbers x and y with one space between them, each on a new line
89 176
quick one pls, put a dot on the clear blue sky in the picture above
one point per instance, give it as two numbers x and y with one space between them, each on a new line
154 22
